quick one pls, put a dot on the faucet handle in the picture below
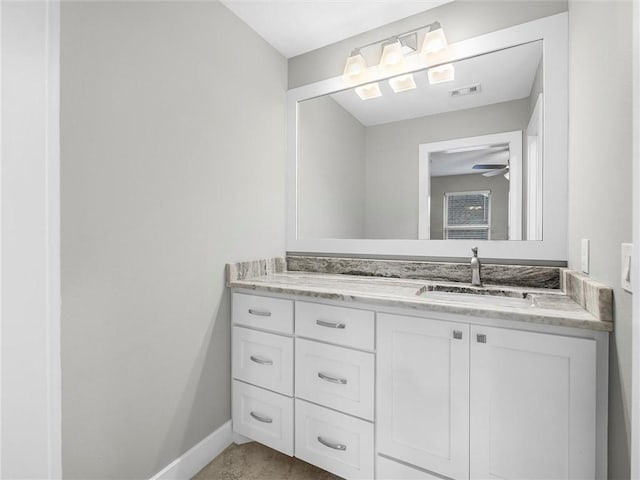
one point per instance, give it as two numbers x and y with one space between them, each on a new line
475 251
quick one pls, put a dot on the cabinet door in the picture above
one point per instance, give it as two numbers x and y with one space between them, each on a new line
533 412
423 393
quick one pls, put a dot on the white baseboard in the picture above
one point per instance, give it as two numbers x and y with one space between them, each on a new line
240 439
192 461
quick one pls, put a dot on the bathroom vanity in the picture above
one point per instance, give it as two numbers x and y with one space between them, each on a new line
405 378
402 369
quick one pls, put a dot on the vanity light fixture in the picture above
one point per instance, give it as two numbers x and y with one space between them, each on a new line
368 91
355 70
434 50
402 83
441 74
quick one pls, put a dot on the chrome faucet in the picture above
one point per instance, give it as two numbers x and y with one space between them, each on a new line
475 269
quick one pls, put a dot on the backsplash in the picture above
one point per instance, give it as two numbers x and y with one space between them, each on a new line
516 275
256 268
595 297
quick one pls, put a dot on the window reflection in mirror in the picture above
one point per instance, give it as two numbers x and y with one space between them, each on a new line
359 161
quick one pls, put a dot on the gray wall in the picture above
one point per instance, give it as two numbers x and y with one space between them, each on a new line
392 160
461 20
499 201
331 171
600 181
172 164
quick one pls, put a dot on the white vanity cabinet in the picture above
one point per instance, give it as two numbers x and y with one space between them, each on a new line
322 395
334 388
423 393
533 405
390 394
471 401
262 370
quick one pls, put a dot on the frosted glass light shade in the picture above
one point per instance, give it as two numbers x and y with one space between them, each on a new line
392 59
402 83
370 90
435 47
441 74
355 70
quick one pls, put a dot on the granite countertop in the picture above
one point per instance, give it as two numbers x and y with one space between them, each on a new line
549 306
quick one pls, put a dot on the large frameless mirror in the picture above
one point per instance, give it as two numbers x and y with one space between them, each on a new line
404 165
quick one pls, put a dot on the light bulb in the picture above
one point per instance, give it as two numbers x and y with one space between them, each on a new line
435 47
370 90
402 83
392 59
355 70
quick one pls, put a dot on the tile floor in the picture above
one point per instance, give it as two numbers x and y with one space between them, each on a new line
253 461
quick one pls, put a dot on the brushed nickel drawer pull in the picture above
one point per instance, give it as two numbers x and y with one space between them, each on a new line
328 378
457 334
335 446
261 361
260 313
261 418
324 323
481 338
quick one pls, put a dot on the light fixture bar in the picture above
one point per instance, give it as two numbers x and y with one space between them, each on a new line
431 26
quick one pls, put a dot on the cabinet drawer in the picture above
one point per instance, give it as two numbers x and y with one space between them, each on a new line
263 359
336 377
263 416
336 442
274 314
345 326
387 469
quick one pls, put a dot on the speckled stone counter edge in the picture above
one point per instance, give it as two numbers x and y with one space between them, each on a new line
515 275
256 268
596 298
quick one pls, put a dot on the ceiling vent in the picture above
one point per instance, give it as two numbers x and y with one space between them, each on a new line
471 89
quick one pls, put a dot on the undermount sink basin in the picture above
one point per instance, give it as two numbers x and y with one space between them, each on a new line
477 296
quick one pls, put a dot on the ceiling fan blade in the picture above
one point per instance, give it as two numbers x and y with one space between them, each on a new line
494 173
489 166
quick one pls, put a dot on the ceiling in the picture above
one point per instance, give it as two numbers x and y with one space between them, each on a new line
461 163
503 75
294 27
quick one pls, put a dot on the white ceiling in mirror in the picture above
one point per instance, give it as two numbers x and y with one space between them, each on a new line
295 27
503 76
462 163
